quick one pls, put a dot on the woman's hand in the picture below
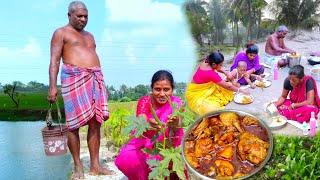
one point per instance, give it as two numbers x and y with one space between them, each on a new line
252 86
229 75
292 106
277 103
259 78
244 91
174 122
155 124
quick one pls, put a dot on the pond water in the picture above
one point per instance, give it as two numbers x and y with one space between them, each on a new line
22 154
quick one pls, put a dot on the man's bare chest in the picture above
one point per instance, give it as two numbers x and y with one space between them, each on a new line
79 41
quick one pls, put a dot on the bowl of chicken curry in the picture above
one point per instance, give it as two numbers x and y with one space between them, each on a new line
227 144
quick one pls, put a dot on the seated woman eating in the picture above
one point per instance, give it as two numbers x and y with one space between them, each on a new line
303 97
131 160
207 91
252 59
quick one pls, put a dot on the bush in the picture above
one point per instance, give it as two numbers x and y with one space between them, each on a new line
293 158
125 99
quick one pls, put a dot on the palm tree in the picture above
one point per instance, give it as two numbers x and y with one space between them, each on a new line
198 20
296 13
217 16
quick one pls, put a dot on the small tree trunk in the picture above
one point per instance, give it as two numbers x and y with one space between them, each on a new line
259 23
250 20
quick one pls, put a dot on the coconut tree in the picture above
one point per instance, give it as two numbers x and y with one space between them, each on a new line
217 17
296 13
198 19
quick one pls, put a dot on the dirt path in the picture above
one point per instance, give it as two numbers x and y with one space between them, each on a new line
106 159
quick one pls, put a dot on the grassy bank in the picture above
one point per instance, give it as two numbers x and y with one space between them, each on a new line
34 106
293 158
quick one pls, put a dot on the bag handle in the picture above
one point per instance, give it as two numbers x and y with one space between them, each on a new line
49 116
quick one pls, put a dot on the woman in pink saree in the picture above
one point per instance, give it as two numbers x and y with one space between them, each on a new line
303 97
131 160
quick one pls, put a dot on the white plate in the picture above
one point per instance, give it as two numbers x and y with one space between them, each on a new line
278 122
266 82
238 98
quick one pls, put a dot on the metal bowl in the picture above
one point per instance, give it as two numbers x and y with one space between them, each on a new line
294 60
241 113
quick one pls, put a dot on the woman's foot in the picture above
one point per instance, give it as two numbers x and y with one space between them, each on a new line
100 171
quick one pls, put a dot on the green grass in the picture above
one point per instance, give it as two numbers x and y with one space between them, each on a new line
34 106
30 101
293 158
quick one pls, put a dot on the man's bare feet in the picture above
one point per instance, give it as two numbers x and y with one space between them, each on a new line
100 171
77 173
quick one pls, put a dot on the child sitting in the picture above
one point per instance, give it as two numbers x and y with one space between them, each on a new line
240 72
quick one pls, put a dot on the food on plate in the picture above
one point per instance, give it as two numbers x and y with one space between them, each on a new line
261 84
246 99
278 121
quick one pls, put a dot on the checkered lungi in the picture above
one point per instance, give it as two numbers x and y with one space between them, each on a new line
84 94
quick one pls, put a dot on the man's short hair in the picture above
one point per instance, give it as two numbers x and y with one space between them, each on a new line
74 5
282 28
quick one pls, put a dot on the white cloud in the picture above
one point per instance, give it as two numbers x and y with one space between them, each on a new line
143 11
30 50
129 52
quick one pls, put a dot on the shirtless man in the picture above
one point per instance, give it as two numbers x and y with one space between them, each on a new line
82 86
275 44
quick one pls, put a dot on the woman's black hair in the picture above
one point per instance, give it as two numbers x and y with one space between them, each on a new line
215 58
162 75
252 48
297 70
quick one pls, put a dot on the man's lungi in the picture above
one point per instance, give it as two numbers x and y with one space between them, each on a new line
84 94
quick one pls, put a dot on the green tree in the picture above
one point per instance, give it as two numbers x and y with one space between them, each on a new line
217 16
123 90
10 90
296 13
34 85
180 88
198 19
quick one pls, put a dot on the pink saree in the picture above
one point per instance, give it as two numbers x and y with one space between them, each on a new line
297 95
131 160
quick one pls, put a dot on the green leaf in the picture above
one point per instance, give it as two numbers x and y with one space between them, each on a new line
137 126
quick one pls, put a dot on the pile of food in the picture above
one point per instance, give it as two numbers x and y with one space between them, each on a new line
261 84
246 99
226 145
277 122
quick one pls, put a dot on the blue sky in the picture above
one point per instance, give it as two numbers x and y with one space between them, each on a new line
134 38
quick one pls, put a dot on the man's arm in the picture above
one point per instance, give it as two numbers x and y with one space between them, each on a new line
55 56
276 47
284 46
